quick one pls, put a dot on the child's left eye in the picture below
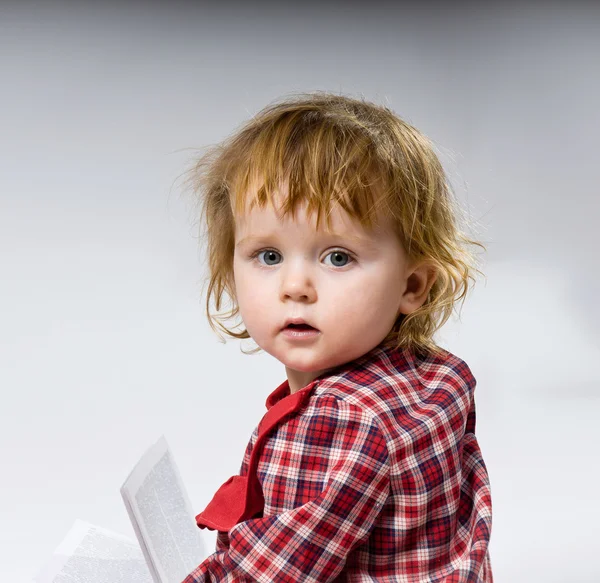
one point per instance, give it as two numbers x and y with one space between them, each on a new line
337 256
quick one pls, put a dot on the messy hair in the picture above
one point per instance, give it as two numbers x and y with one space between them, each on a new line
335 150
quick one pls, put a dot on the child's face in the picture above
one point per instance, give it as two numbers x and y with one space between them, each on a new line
349 289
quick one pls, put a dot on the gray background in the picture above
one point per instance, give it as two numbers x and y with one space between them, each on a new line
103 341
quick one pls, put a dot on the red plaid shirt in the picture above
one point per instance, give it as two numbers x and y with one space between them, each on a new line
372 472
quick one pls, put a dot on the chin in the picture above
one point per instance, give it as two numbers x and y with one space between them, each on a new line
305 369
301 364
316 364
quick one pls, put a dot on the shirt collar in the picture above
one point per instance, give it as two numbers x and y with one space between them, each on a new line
283 390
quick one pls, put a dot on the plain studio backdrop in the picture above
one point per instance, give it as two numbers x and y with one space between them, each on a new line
104 345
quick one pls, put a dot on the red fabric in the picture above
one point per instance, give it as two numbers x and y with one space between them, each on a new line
372 472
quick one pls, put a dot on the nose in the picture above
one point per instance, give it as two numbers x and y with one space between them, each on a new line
297 283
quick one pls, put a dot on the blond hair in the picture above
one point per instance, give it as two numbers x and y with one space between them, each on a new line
333 149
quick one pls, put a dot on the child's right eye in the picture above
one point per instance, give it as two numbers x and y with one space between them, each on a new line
270 255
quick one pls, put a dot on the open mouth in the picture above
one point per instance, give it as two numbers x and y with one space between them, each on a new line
299 327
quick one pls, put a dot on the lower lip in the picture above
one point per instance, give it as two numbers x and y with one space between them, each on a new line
296 334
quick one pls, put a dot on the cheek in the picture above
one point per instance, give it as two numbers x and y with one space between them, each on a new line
357 301
242 276
240 286
255 306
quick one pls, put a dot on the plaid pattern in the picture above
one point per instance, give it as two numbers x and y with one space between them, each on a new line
372 472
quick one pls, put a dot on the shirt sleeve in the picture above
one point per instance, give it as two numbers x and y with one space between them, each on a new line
311 542
222 543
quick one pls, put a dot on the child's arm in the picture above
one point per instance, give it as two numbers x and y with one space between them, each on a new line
311 542
222 543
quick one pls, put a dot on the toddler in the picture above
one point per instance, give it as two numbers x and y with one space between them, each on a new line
331 227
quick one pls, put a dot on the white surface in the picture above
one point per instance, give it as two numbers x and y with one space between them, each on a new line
162 516
103 341
92 554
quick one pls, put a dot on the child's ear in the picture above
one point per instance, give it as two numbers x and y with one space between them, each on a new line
418 282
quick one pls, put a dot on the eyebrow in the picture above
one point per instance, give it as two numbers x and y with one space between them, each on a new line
351 238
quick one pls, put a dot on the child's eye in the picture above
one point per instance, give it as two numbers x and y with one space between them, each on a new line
270 256
339 258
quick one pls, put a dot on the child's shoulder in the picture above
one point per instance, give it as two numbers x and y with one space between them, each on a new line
395 378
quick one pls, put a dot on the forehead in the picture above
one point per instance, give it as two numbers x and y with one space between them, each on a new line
252 211
270 217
